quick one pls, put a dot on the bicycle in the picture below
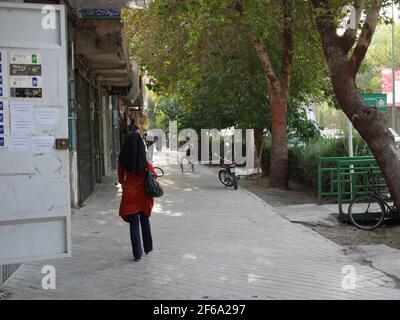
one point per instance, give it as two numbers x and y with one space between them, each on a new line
367 212
159 172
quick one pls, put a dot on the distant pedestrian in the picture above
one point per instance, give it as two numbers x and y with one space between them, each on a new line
188 153
135 207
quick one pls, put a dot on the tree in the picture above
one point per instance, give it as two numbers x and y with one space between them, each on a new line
278 93
344 56
190 46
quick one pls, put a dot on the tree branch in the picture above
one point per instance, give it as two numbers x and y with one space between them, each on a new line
325 20
326 25
262 53
287 45
266 62
349 37
365 38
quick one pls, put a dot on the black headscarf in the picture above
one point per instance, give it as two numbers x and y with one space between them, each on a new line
133 154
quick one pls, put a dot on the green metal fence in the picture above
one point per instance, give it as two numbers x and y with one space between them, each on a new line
328 176
354 182
347 178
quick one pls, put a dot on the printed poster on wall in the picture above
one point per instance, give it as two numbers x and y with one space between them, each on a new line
25 82
25 57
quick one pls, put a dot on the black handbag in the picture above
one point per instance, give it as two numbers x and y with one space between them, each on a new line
151 186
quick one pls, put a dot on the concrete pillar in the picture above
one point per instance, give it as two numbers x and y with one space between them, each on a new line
73 174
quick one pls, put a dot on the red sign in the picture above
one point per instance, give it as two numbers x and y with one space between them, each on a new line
387 85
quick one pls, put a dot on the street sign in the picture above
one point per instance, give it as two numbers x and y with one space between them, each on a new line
118 91
376 100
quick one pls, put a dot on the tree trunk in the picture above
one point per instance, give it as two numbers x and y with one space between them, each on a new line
279 176
258 139
278 93
344 64
372 126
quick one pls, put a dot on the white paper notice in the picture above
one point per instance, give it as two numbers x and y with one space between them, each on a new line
43 144
20 144
21 110
21 127
46 116
21 119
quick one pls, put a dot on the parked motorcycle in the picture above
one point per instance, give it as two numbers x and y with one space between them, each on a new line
227 175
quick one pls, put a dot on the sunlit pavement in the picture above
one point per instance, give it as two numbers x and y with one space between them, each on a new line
210 243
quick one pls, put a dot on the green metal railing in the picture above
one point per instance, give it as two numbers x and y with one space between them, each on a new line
353 181
328 176
347 178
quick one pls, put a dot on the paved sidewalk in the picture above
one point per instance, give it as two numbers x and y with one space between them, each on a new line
210 242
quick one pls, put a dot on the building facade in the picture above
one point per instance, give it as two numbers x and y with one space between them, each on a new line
104 84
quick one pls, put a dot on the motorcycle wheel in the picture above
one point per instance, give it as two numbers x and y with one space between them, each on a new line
225 178
234 182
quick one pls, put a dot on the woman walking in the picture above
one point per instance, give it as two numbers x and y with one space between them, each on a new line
135 206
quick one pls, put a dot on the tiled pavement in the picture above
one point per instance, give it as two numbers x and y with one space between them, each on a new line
210 242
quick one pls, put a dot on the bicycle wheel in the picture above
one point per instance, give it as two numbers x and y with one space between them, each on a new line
225 178
159 171
367 212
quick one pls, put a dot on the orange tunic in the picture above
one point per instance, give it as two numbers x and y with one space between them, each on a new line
134 198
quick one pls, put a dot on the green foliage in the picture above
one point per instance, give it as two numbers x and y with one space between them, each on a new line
303 158
201 52
379 56
161 110
300 127
151 113
331 118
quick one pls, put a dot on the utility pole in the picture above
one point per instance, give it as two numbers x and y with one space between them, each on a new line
350 138
394 119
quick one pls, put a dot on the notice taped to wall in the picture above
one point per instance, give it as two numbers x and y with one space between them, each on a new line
20 144
42 144
46 115
21 119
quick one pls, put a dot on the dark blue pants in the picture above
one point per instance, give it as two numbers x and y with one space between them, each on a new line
134 220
